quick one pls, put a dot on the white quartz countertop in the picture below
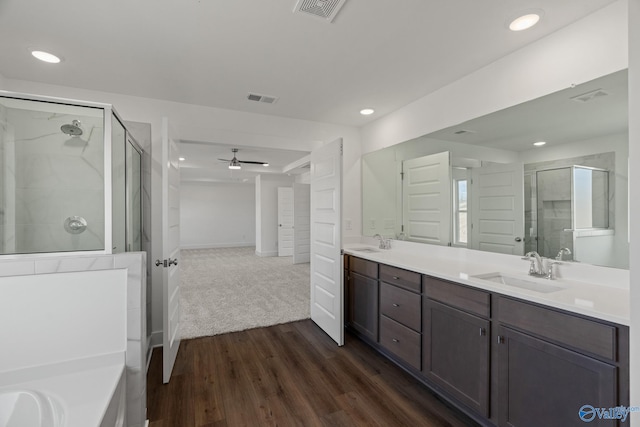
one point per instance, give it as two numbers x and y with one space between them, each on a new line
598 301
82 388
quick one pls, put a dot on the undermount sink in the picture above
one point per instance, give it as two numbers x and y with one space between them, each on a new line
365 250
537 285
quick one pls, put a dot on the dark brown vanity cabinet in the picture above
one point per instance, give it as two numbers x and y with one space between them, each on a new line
502 360
400 313
455 349
362 297
552 363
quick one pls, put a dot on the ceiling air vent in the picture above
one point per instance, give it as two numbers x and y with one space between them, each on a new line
590 96
463 132
267 99
325 9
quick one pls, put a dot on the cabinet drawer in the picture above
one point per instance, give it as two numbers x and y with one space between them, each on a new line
458 296
399 277
400 305
589 336
364 267
401 341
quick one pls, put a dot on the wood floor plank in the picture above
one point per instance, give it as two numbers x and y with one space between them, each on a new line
288 375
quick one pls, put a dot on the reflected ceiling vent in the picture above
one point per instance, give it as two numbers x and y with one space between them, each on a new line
267 99
590 96
325 9
463 132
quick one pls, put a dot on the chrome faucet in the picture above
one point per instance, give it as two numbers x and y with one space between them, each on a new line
538 268
384 243
563 251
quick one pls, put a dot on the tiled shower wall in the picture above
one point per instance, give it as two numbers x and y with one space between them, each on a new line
57 176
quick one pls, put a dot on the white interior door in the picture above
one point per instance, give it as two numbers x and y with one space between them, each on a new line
170 250
285 221
326 240
301 222
427 203
497 205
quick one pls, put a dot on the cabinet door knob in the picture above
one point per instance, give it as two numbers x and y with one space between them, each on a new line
396 305
500 339
396 278
482 332
395 340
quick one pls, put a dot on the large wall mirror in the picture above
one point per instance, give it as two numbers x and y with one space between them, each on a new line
483 185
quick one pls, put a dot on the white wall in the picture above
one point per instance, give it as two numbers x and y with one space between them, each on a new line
61 317
634 199
199 123
267 213
589 48
217 215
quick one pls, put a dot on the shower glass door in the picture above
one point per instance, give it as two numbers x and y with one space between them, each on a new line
51 177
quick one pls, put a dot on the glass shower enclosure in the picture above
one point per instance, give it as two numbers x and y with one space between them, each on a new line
70 178
563 204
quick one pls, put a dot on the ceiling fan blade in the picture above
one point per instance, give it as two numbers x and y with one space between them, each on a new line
251 162
225 160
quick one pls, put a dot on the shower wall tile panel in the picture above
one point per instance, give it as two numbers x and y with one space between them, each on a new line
59 176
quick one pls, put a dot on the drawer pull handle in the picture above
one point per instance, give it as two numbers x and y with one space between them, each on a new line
396 305
395 340
396 278
500 339
481 332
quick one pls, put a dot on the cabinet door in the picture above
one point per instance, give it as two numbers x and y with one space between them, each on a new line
363 305
455 353
541 384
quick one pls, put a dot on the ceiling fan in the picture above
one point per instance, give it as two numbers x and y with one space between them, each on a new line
236 164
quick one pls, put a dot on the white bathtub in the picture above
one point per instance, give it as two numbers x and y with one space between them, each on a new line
81 393
21 408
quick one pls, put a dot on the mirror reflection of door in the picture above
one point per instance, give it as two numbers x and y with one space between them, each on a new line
426 189
498 206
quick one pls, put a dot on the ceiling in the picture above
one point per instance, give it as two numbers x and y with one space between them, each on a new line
557 118
201 162
377 53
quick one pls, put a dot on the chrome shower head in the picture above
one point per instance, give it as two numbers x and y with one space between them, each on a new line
73 129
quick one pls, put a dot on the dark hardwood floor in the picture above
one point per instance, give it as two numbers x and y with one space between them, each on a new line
288 375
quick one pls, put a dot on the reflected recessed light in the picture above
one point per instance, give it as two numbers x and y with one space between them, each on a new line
539 143
182 159
367 111
524 22
45 56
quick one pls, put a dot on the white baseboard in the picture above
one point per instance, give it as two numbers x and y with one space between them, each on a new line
156 339
266 254
219 245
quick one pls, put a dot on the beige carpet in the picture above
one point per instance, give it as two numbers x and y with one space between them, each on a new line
232 289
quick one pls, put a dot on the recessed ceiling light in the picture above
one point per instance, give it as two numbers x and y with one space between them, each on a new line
182 159
45 56
367 111
525 21
265 164
539 143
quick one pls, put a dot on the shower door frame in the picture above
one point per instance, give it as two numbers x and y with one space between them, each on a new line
108 111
